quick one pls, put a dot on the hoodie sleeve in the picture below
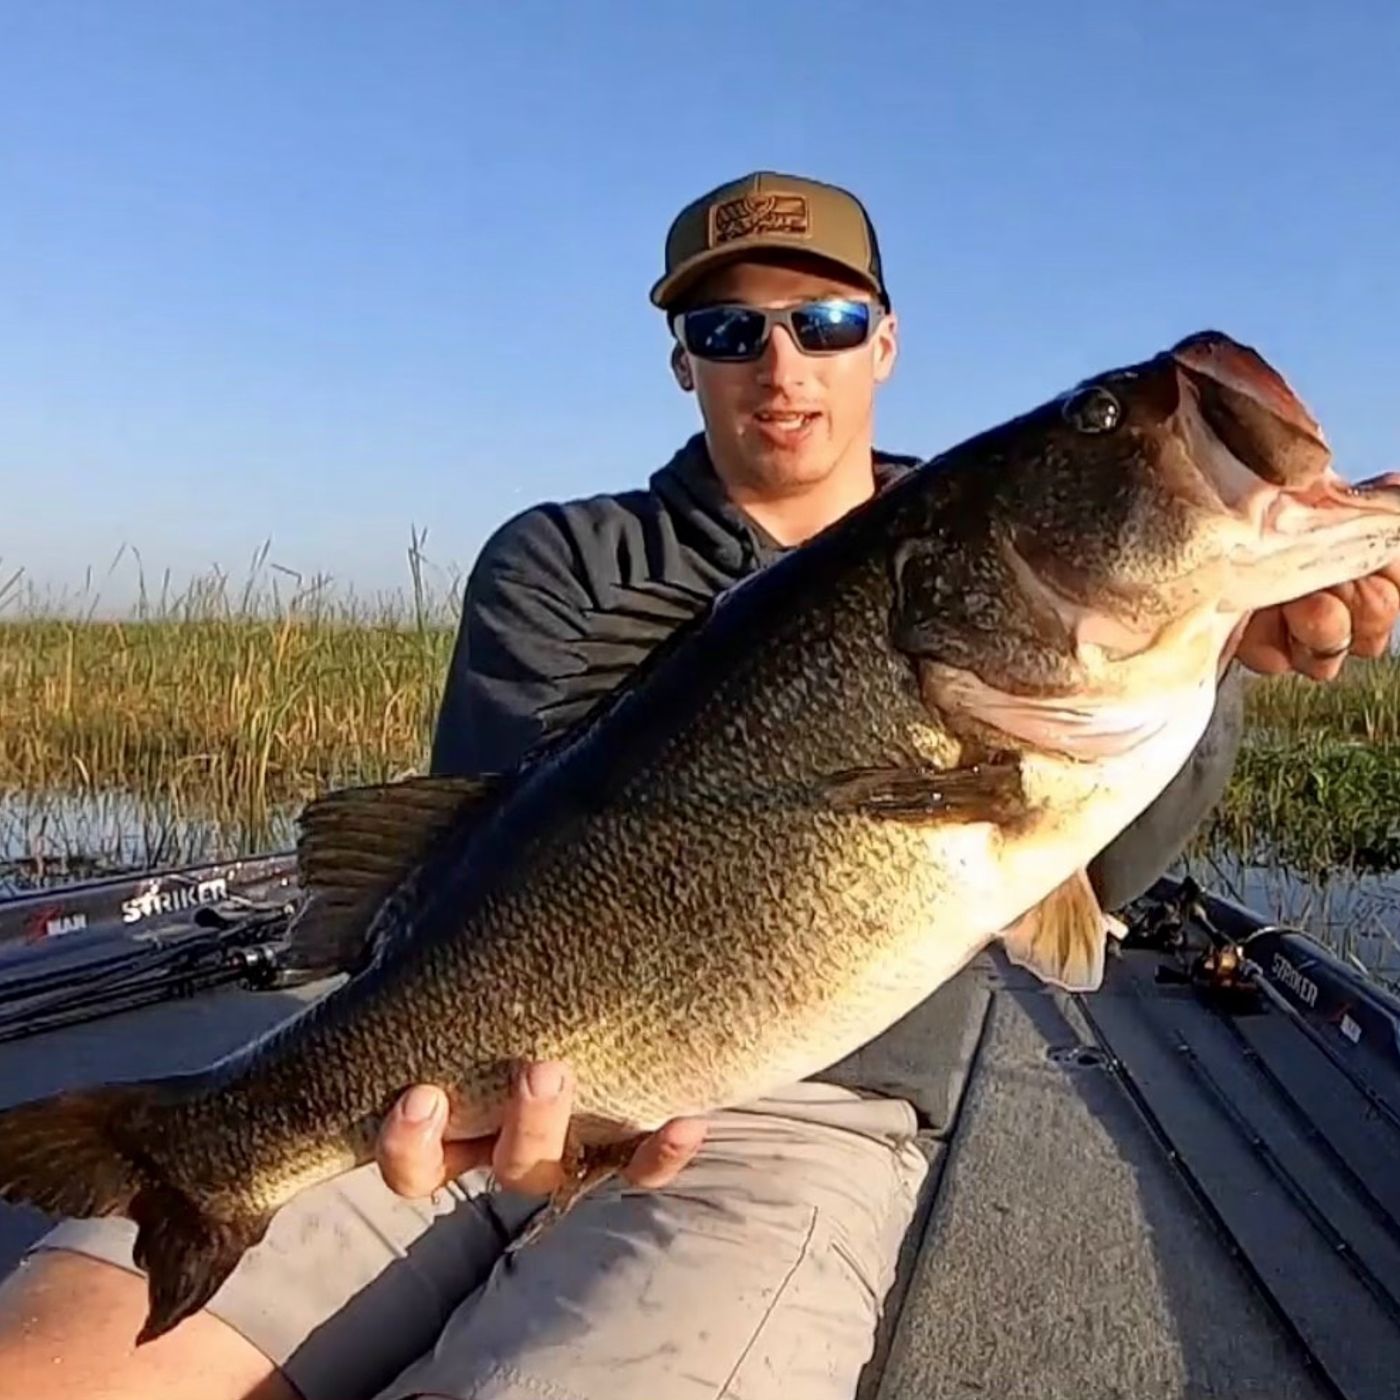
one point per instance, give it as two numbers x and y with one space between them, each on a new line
517 647
1141 855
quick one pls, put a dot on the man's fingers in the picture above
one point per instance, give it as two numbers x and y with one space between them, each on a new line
1374 601
1320 631
1314 635
1375 609
458 1158
1264 646
661 1156
527 1154
410 1150
1307 662
531 1143
1321 622
1357 618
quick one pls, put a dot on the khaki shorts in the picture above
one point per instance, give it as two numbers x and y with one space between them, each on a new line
758 1274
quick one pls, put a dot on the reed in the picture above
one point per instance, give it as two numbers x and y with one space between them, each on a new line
198 723
1311 804
1362 704
1316 788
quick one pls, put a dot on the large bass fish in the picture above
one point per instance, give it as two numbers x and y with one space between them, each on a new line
801 815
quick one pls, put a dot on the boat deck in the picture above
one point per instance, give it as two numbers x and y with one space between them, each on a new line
1142 1197
1141 1193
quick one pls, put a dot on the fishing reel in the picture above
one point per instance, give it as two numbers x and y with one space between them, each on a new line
1201 954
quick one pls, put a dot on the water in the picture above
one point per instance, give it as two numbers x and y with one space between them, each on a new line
52 838
1357 916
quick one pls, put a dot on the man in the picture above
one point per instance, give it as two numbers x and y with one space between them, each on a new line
749 1253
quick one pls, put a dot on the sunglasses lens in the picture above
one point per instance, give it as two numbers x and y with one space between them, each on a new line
832 325
724 332
737 332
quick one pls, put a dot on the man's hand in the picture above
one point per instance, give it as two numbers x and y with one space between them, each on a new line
1315 634
417 1153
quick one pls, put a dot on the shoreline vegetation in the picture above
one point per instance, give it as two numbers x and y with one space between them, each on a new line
196 726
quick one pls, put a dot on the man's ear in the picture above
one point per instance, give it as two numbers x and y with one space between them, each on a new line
680 367
886 349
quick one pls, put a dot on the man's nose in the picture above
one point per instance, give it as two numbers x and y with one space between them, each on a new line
782 361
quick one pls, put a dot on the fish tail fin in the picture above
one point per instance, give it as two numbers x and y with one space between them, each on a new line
77 1154
61 1154
186 1254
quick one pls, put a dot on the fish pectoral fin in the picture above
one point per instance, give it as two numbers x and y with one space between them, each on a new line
355 845
989 791
1062 940
1085 725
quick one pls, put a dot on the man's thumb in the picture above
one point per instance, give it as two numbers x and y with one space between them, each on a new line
410 1145
422 1107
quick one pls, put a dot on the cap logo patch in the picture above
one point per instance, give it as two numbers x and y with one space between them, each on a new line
756 214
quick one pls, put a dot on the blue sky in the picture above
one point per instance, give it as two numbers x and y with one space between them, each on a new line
325 271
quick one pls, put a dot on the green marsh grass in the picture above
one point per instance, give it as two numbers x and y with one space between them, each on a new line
200 723
1362 704
1316 788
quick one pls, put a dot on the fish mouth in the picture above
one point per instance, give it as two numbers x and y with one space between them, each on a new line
1252 410
1268 462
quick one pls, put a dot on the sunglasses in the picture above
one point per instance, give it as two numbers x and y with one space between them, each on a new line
734 332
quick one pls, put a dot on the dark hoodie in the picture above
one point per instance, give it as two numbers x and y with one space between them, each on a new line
565 599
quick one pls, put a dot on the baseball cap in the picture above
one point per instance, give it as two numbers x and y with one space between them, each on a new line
767 211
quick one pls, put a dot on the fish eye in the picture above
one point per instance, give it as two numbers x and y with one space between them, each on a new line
1092 410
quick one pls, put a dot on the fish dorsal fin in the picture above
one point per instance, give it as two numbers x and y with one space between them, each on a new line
356 844
1062 939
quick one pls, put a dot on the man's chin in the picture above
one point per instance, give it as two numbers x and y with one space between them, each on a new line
786 476
781 465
